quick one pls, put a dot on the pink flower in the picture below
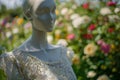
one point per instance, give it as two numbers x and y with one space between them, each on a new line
92 27
88 36
105 48
71 36
3 23
85 5
100 42
111 3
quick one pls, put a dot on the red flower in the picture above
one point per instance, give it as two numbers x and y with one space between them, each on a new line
71 36
111 3
88 36
110 30
85 5
92 27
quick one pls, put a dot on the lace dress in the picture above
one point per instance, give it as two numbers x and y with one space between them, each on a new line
20 65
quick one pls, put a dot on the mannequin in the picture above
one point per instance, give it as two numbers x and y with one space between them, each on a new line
36 59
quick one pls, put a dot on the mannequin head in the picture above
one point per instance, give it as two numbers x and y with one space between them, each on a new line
41 13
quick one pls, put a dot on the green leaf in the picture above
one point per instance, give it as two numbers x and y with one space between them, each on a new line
2 75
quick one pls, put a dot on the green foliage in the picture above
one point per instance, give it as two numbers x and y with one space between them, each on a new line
2 75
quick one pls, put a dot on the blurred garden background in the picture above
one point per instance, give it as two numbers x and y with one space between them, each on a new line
90 27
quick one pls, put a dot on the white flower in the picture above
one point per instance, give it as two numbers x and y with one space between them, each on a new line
77 22
117 10
103 77
50 38
113 18
74 16
90 49
69 29
80 20
62 42
8 34
15 30
105 11
91 74
64 11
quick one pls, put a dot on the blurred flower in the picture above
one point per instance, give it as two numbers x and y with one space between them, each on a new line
117 10
86 19
88 36
77 22
90 49
27 25
80 20
92 27
8 34
113 18
20 21
91 74
105 48
85 5
57 34
74 16
8 25
62 42
64 11
100 42
69 28
71 36
111 3
3 22
50 38
76 59
113 46
103 77
105 11
57 12
110 30
15 30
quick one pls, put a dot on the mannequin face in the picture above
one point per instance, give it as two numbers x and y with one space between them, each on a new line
43 15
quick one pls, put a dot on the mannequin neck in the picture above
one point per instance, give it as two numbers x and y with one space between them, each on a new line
38 39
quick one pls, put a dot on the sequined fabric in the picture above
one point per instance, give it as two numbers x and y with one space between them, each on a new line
19 65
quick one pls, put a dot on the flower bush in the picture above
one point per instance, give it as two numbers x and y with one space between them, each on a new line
92 30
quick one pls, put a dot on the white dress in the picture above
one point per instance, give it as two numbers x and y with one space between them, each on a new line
21 65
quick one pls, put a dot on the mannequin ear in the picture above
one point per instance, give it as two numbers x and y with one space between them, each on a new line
28 14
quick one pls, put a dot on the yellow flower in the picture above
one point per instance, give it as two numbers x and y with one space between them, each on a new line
57 12
20 21
112 46
90 49
76 59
